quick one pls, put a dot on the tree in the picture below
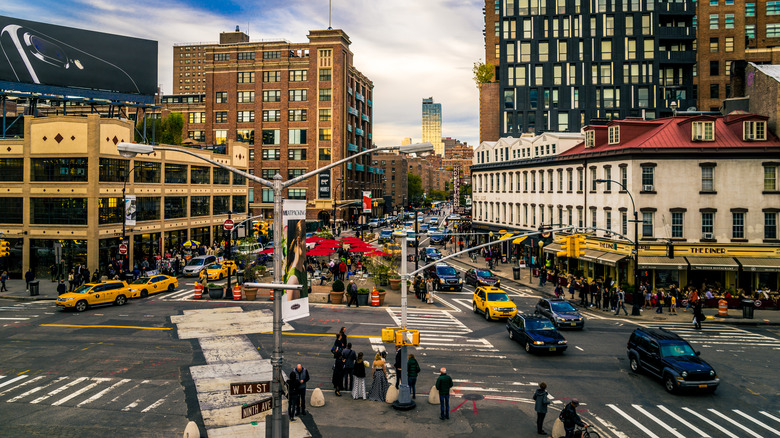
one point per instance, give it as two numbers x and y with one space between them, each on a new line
483 73
167 131
437 195
465 190
414 187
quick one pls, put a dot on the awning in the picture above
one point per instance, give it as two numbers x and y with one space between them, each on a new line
553 248
759 264
659 262
591 255
713 263
611 258
519 240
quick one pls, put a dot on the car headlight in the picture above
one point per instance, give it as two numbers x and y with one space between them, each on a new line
65 299
538 343
712 373
559 319
441 280
562 342
577 319
684 373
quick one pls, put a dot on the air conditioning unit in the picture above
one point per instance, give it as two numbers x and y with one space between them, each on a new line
648 188
750 137
698 138
708 236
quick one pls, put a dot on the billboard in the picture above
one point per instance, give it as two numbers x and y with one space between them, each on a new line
366 202
295 303
49 55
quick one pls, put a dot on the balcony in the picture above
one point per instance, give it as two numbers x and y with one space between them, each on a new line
359 132
359 167
669 8
675 33
352 147
359 97
352 111
681 57
365 118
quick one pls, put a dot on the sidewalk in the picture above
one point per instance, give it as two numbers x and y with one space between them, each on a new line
17 291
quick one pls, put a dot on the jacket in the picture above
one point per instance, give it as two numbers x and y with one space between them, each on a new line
298 376
540 397
360 369
397 364
570 417
443 384
349 358
412 368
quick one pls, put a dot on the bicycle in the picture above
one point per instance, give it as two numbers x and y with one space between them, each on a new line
584 432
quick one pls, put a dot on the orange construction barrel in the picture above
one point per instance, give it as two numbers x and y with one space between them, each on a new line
374 297
271 295
198 291
236 293
723 308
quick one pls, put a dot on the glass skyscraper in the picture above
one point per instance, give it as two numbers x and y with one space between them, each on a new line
431 125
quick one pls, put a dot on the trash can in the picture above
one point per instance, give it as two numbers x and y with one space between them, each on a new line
747 307
35 288
240 277
127 277
516 272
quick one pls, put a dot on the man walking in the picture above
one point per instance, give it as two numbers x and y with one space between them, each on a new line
28 277
443 385
621 302
541 401
299 375
570 418
352 290
349 356
397 365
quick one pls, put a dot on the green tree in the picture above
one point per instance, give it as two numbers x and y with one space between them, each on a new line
483 73
168 130
465 189
414 187
437 195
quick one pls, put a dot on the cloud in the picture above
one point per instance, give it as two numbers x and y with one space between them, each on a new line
410 49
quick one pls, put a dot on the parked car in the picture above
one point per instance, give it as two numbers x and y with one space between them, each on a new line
670 358
423 228
91 294
493 302
430 254
373 223
218 271
535 334
392 249
481 277
444 277
439 236
144 286
249 249
560 312
196 264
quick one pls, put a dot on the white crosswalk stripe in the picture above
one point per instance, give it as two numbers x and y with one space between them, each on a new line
713 336
440 330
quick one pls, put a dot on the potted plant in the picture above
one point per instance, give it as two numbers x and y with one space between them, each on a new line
252 274
337 294
215 292
362 296
395 281
381 293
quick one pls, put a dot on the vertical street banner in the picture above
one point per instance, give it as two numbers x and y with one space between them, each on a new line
455 186
129 210
366 202
324 185
295 303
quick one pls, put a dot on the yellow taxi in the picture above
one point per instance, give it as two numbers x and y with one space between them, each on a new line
392 249
90 294
220 270
152 285
493 302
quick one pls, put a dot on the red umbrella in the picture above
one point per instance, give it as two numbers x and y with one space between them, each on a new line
378 254
328 245
361 249
267 251
314 239
319 252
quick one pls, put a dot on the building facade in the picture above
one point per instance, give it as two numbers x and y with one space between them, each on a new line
458 155
296 106
706 185
433 178
62 185
431 125
560 64
396 181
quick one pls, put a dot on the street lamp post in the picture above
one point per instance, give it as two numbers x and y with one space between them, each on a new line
404 402
124 215
333 217
635 300
129 150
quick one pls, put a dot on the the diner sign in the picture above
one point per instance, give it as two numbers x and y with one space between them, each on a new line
257 407
250 388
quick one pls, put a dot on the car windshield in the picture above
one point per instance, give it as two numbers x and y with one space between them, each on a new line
562 306
677 350
386 233
141 280
215 266
541 324
411 235
446 270
497 296
484 274
83 289
196 262
431 251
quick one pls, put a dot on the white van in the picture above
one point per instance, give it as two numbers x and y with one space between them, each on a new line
196 264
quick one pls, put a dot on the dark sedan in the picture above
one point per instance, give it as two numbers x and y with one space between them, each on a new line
560 312
535 333
430 254
482 277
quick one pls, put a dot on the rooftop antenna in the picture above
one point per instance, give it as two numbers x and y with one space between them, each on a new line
330 4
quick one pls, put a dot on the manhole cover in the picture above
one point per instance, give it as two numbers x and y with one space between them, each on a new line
473 397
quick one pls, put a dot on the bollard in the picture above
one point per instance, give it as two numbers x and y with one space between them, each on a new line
723 308
236 293
198 291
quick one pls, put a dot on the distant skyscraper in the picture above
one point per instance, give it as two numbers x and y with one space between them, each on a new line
431 125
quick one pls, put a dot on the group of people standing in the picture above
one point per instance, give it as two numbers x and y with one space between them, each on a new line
423 289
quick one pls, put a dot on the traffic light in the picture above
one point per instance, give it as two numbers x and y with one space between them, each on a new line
566 247
579 245
4 247
670 250
257 228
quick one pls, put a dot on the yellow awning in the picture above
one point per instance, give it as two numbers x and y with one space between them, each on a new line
519 239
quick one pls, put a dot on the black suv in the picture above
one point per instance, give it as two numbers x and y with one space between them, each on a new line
444 277
670 358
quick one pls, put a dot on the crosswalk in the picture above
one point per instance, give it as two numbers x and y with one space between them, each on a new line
107 393
717 335
440 330
25 311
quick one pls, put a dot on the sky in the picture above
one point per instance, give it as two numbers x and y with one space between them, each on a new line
410 49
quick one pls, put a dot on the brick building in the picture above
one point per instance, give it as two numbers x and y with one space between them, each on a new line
307 103
395 182
458 154
432 178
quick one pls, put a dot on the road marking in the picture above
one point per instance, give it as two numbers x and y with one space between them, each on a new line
103 392
36 389
95 382
155 404
132 405
464 302
134 387
106 326
15 319
6 383
734 423
710 422
770 416
609 426
749 418
58 390
633 421
668 412
320 334
657 420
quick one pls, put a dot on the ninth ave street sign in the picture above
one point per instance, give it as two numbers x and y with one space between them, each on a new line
257 407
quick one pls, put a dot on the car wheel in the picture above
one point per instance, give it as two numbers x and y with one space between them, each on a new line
219 277
633 363
511 335
81 306
487 314
120 300
527 347
474 306
669 384
144 293
170 287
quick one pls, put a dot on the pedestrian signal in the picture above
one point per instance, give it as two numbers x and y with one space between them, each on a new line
407 337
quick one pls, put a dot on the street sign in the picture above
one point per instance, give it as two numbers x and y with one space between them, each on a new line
250 388
122 249
257 407
228 224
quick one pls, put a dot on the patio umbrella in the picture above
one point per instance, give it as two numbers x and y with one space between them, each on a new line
350 239
314 239
361 249
190 243
378 254
319 252
267 251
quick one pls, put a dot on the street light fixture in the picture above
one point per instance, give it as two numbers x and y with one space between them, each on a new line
635 300
129 150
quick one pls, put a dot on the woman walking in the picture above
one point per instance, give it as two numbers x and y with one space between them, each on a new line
412 370
359 384
379 385
338 373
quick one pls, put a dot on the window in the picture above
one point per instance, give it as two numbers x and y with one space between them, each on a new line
325 115
713 21
296 193
703 131
707 179
220 97
325 74
296 136
220 116
268 196
200 206
750 9
271 136
296 154
624 177
593 218
325 134
247 77
714 68
729 21
299 75
590 139
146 172
324 94
623 223
197 117
112 170
677 225
324 154
272 54
297 95
220 204
245 116
750 31
246 136
608 217
707 224
773 30
770 178
272 76
197 135
242 56
647 224
569 180
272 96
59 169
222 57
737 225
58 211
593 180
220 136
175 174
729 46
294 173
222 176
770 225
647 176
246 96
269 173
614 134
239 202
271 154
272 115
713 45
200 175
580 180
773 8
296 115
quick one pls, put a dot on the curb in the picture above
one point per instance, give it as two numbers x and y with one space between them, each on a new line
12 298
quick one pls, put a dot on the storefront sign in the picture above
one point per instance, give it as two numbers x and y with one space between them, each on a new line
324 185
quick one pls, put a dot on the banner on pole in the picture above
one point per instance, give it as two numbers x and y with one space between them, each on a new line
366 202
295 303
130 209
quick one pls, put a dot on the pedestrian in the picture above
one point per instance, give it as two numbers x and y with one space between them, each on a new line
659 301
572 286
359 383
3 279
429 291
343 333
300 376
349 366
558 291
353 295
379 375
412 370
61 288
570 418
398 366
338 373
541 400
584 289
605 298
338 345
443 385
698 316
342 270
28 277
543 276
621 302
672 304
